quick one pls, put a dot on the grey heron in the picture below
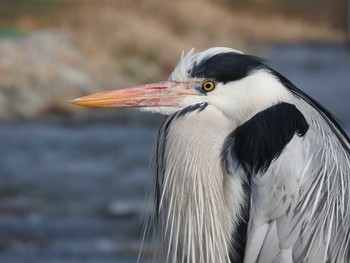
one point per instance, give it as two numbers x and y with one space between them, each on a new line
247 166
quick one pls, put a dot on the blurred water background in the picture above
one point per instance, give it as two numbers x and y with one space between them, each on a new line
72 180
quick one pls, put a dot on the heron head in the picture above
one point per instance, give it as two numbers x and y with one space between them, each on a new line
225 78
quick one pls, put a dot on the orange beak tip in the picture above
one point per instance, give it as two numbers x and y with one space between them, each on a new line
79 102
75 101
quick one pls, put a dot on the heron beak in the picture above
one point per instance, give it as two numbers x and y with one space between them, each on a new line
166 93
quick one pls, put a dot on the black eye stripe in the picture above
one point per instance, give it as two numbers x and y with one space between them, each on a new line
226 67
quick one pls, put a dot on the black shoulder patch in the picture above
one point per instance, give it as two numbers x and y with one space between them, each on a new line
226 67
260 140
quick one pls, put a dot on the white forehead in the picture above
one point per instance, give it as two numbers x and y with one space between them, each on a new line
186 63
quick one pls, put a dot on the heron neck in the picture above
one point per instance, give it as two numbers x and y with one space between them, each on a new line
197 202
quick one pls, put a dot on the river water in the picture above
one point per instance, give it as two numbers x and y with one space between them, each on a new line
72 188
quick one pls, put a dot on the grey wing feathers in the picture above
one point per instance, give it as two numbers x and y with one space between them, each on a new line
300 205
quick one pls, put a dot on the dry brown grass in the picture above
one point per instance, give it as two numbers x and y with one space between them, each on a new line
155 32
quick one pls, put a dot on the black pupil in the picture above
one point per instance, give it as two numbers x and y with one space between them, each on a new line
208 85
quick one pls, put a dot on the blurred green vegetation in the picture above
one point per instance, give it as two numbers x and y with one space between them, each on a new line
10 32
28 13
15 8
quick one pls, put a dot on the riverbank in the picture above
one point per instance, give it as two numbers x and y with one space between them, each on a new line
53 51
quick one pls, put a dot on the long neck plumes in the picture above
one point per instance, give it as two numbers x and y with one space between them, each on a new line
196 203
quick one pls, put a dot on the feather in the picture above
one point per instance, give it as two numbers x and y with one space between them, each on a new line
255 170
310 224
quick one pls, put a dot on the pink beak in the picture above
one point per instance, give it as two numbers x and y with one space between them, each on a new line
166 93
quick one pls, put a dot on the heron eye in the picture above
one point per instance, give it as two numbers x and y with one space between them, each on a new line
208 85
